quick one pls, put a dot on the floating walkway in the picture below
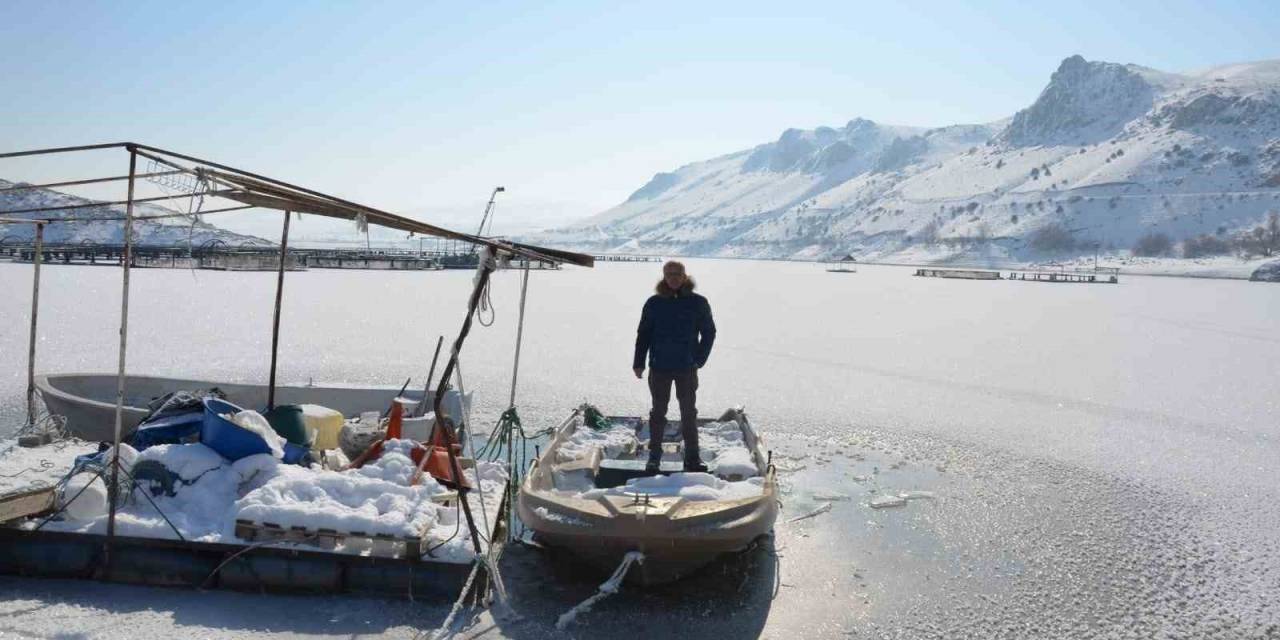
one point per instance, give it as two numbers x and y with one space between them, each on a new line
624 257
1101 276
251 258
959 274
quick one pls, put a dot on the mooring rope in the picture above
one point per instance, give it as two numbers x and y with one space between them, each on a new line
610 587
445 628
486 313
470 445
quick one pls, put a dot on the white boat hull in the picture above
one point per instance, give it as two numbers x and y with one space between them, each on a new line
675 535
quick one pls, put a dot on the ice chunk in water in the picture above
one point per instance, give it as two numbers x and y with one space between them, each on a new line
888 501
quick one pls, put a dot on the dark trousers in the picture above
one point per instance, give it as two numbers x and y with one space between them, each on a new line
686 383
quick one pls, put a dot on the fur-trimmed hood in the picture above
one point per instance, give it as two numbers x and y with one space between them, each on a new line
667 292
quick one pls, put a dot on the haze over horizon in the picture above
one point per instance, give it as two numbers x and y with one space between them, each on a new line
423 107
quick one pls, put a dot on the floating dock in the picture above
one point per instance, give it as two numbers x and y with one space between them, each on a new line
1101 276
959 274
274 564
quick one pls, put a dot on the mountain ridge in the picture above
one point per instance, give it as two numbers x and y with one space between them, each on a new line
107 230
1109 152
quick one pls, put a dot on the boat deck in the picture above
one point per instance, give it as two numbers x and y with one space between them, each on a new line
259 562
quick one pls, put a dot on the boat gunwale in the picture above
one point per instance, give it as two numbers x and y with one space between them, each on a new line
587 510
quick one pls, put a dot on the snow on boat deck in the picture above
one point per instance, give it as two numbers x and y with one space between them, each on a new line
211 494
721 447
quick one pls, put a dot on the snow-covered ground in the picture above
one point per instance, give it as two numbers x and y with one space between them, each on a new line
1081 461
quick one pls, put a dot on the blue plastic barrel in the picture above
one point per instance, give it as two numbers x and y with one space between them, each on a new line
233 442
173 429
229 439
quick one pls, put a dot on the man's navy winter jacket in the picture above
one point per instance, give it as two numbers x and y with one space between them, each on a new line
676 331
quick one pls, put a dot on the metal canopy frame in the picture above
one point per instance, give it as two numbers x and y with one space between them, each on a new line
245 190
248 188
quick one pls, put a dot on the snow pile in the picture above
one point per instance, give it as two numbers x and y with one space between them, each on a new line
342 502
722 448
736 462
697 487
87 494
255 422
395 465
187 461
210 494
613 441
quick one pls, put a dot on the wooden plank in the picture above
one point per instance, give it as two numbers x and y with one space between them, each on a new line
26 503
325 538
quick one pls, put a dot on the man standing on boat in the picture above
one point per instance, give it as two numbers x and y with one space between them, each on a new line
676 331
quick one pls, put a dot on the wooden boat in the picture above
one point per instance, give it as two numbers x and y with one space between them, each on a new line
88 400
676 534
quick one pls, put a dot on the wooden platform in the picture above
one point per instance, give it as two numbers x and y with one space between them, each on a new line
1065 276
256 566
407 547
25 503
383 545
958 274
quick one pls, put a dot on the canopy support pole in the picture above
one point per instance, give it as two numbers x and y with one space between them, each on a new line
35 310
125 261
486 268
275 321
515 366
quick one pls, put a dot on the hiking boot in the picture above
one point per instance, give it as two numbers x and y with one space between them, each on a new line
653 466
694 466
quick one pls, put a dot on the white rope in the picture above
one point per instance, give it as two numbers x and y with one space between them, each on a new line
470 446
445 628
607 589
485 311
515 367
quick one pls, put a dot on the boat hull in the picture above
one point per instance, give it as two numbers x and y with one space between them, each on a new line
676 536
87 400
669 555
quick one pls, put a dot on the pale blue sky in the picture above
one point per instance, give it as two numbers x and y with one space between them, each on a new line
422 107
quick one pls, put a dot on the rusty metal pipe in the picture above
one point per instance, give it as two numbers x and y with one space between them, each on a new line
275 320
36 259
71 183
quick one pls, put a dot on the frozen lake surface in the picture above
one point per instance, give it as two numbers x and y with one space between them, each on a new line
1086 460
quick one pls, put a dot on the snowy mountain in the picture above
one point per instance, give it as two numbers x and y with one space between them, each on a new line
171 231
1107 154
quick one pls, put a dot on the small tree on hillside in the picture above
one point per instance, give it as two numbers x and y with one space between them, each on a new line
1262 240
1205 245
1052 238
1272 234
1152 245
929 234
